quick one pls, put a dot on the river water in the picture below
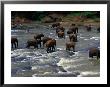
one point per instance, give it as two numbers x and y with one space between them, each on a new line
61 63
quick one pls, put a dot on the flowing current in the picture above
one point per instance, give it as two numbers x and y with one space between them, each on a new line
61 63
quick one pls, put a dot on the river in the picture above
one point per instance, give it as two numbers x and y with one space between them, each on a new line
61 63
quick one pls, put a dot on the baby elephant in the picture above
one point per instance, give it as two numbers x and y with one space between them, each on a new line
14 41
94 52
38 36
33 43
55 25
70 45
50 45
61 34
88 28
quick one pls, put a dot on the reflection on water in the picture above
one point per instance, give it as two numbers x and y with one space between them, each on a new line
61 63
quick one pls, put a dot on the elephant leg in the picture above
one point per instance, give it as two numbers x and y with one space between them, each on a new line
40 38
64 36
43 44
58 35
50 49
76 40
47 49
98 55
73 49
69 49
90 55
66 48
77 30
40 45
54 48
36 46
12 45
27 46
15 45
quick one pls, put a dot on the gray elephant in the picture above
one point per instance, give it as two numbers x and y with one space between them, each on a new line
94 52
14 42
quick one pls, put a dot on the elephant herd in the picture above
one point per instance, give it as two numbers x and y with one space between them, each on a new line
50 43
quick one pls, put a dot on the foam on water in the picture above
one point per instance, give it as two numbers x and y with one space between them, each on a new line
81 37
86 39
59 74
60 49
88 73
95 38
51 33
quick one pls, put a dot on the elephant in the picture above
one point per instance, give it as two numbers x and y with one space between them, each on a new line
73 29
45 39
55 25
70 45
34 43
38 36
50 45
73 37
14 41
94 52
62 29
88 28
98 29
61 34
59 28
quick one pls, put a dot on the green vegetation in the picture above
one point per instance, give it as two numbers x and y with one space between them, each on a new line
39 15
